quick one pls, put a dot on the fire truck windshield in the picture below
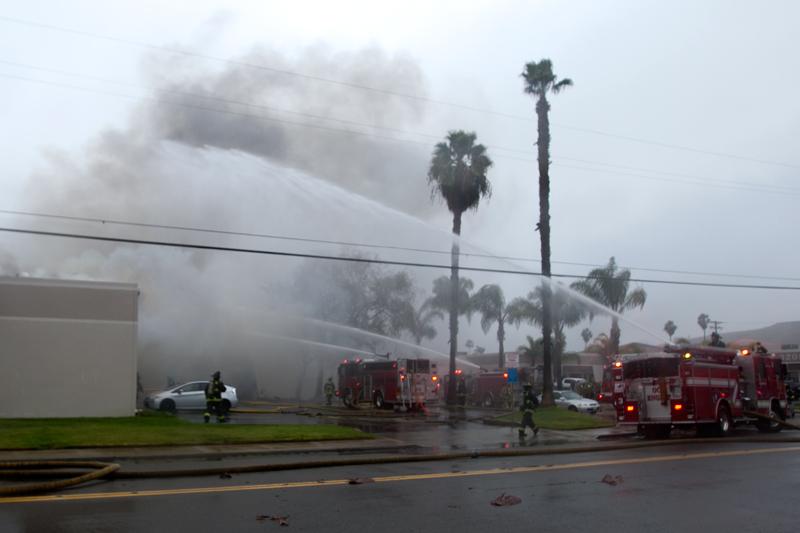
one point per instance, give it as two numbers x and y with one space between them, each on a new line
651 368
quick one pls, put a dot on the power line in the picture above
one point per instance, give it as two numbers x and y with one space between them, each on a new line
680 175
359 245
387 92
751 188
229 101
413 264
214 98
214 110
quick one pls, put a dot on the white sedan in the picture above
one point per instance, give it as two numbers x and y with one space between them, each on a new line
188 397
574 401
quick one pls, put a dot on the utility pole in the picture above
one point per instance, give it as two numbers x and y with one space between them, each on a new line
717 325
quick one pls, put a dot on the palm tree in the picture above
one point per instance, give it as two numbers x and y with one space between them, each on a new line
609 286
442 299
670 328
565 312
600 344
586 335
703 321
458 174
490 302
419 321
539 81
532 351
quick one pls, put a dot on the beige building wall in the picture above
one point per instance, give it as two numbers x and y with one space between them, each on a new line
67 348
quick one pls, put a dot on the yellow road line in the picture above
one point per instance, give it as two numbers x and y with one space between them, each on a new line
393 479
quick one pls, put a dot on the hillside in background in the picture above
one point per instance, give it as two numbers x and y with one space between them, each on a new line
773 337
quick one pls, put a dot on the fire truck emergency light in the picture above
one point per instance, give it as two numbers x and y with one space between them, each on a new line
629 408
687 355
677 406
505 375
617 364
434 378
745 352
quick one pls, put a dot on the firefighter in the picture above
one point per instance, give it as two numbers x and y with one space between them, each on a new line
461 391
214 403
759 348
329 390
529 403
716 340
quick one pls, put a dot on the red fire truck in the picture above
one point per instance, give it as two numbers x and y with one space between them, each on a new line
411 383
488 390
702 387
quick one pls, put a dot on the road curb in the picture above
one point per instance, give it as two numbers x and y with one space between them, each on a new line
419 458
230 451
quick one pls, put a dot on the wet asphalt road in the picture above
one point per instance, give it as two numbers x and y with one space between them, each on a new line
682 487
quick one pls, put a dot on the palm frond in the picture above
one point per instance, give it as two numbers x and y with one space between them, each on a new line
561 85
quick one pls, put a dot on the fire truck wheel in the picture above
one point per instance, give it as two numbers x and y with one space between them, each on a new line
724 422
661 431
347 398
488 400
765 426
378 401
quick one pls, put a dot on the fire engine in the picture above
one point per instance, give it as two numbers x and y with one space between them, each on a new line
484 389
710 389
410 383
487 389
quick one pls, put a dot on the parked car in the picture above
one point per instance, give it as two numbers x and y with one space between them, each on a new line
188 397
571 383
574 401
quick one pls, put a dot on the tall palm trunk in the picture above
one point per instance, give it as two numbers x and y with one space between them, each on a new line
613 345
454 306
558 353
501 336
542 108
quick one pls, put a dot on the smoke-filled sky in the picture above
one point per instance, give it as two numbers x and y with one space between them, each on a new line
112 128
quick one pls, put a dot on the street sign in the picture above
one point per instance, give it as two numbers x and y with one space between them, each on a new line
512 375
512 360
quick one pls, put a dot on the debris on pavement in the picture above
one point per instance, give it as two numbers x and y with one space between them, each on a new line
506 499
281 520
360 480
612 480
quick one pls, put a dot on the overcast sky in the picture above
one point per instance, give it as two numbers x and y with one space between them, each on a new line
718 78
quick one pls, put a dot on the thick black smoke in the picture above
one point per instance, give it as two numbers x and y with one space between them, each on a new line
368 163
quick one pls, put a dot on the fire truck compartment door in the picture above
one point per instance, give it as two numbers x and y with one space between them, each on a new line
418 387
655 406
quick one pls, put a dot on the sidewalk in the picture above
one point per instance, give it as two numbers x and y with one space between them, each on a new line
472 437
205 451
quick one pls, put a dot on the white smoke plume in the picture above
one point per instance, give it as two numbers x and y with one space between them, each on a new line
177 164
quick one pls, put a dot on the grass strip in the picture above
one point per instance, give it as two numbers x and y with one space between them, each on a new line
155 430
558 418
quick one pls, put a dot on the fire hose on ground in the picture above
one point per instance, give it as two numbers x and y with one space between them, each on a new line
35 469
31 470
